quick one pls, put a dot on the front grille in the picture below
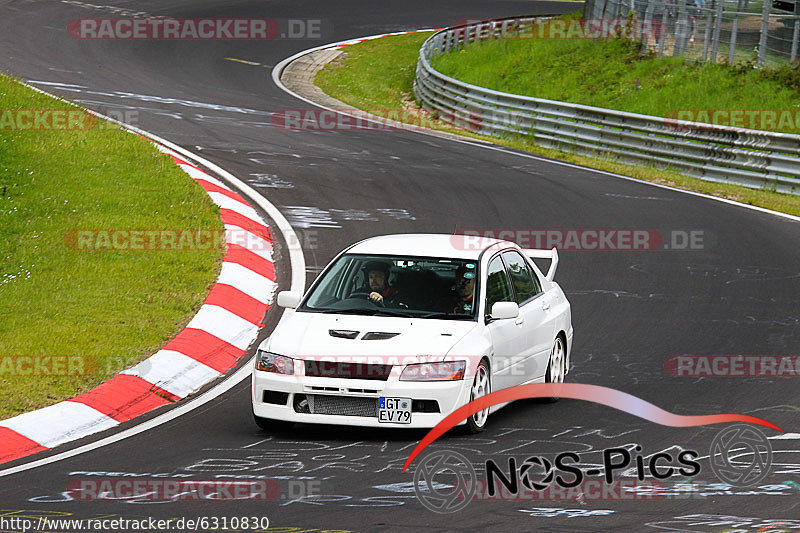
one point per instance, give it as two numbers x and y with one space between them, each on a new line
332 369
342 405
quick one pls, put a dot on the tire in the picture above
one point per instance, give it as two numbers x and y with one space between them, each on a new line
481 386
270 424
555 366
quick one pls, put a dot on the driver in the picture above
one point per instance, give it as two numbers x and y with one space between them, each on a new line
378 277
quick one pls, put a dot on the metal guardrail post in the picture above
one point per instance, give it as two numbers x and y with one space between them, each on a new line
762 42
717 24
597 9
681 29
734 32
665 25
647 26
707 33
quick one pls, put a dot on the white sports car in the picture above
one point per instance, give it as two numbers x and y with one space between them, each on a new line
401 330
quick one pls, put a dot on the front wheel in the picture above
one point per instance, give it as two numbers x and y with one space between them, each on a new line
556 366
481 386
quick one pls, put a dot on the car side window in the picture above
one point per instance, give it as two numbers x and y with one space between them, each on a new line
498 288
525 283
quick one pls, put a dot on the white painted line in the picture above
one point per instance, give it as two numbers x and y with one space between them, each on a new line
786 436
455 137
224 325
174 372
59 423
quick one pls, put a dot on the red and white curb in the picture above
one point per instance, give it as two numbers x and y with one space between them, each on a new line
218 335
342 44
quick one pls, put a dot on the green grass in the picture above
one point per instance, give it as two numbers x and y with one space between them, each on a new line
377 75
612 74
113 308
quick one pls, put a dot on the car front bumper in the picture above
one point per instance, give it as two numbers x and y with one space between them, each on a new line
448 395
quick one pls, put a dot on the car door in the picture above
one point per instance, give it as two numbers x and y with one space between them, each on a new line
508 340
534 314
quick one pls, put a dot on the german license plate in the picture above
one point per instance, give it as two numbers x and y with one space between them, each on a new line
394 410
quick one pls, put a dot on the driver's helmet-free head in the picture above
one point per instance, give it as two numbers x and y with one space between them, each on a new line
381 266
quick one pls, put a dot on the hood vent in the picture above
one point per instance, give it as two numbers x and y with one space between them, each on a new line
378 336
343 333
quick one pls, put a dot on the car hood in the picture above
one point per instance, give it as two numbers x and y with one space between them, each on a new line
302 334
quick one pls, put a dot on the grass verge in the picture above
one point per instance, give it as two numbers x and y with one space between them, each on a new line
377 76
104 309
611 73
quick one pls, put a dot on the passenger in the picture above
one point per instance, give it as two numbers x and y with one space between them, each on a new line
462 298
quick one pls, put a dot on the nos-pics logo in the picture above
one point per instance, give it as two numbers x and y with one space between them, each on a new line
446 481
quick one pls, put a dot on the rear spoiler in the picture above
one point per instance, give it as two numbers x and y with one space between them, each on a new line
552 255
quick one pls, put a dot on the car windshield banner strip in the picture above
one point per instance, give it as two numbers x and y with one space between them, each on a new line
578 391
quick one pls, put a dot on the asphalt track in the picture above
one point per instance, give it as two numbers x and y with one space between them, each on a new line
739 294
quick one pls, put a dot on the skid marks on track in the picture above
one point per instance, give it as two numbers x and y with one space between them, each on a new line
304 216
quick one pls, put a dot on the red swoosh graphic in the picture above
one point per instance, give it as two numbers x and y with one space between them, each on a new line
578 391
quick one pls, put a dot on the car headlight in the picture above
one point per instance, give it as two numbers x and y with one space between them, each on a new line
272 362
445 371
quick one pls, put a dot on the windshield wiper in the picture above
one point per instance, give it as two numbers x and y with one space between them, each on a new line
444 315
395 313
369 312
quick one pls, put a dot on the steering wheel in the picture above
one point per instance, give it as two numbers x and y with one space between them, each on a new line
365 294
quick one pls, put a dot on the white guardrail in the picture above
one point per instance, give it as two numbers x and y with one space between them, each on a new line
753 158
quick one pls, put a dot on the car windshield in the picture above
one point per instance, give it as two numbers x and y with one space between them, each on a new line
418 287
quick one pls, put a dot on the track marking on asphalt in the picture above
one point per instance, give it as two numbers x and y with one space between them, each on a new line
278 70
243 61
298 277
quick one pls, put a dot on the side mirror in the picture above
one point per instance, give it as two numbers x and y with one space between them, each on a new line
289 299
504 310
